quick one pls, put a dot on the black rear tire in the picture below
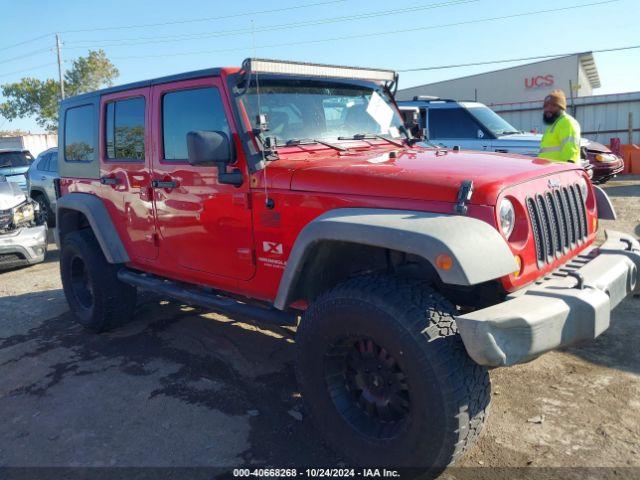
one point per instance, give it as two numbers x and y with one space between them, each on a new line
426 403
98 300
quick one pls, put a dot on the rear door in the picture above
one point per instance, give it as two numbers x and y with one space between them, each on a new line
52 174
125 169
204 226
39 173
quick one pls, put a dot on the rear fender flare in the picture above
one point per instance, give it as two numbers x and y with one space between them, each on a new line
479 251
99 220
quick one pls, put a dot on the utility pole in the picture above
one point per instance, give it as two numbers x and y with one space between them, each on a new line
60 76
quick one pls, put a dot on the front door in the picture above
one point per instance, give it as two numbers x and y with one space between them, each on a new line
125 169
204 226
455 127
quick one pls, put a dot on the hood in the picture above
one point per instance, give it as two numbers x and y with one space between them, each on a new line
421 174
594 146
532 138
8 171
10 195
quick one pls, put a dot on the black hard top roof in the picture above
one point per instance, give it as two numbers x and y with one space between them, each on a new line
207 72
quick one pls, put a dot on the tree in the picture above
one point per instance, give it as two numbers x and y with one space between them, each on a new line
39 98
90 73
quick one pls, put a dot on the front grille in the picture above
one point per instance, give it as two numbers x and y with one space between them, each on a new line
558 220
11 258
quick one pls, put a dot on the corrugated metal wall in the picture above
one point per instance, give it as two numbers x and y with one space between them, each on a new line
601 117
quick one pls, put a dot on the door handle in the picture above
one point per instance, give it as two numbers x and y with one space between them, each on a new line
109 181
43 178
164 184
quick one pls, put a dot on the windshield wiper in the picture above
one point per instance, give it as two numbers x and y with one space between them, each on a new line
308 141
371 136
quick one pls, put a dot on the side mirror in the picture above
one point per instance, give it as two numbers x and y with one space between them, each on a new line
213 148
208 148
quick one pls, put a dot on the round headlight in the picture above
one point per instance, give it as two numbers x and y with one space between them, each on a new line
584 188
507 217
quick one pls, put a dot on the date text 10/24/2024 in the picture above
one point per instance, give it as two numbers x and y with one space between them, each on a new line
317 472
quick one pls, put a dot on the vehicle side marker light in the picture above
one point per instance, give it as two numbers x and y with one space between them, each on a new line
518 260
444 262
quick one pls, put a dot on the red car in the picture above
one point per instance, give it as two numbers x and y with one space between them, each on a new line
604 162
292 193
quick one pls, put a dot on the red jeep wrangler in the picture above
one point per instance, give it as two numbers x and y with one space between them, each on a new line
292 193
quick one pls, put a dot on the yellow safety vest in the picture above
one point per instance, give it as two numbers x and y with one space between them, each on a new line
561 140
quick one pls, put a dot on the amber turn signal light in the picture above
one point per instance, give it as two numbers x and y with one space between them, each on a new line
518 260
444 262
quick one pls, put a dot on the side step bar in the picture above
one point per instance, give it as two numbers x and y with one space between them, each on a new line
194 296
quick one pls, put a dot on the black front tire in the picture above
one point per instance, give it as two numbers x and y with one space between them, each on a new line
98 300
437 398
46 213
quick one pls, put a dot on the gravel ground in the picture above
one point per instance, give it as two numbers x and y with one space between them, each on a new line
181 387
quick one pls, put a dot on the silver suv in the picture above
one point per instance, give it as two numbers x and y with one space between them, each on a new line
42 173
474 126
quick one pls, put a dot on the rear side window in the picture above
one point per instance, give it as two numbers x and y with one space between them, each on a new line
124 129
43 163
188 110
79 141
451 123
53 162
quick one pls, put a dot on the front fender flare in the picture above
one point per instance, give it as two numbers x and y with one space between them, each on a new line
479 251
98 217
606 211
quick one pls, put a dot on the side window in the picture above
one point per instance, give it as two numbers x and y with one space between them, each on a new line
184 111
53 162
451 123
124 129
43 163
79 140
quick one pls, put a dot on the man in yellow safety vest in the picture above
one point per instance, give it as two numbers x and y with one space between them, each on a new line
561 140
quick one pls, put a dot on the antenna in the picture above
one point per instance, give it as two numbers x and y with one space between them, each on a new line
269 203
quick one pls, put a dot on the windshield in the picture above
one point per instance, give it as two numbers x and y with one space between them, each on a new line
305 110
15 159
492 121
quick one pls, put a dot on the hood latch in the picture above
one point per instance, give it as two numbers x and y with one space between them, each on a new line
464 195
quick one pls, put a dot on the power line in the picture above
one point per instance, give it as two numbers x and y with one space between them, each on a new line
244 31
7 47
372 34
176 22
28 69
207 19
20 57
509 60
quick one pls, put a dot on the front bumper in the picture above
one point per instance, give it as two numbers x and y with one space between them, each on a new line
604 172
25 246
567 307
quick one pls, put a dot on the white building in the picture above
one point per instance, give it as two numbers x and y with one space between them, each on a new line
34 142
576 74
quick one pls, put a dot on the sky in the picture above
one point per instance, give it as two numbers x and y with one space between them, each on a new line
397 35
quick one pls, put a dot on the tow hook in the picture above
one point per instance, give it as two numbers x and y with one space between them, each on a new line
579 277
628 243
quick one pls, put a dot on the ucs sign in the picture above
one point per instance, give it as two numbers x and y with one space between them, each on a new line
538 81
